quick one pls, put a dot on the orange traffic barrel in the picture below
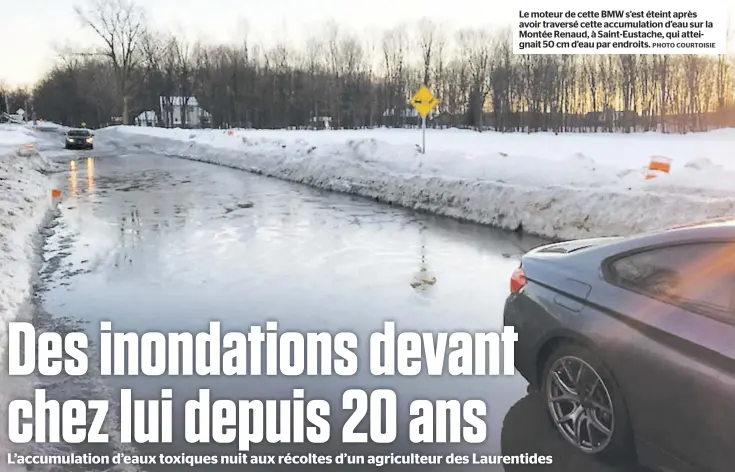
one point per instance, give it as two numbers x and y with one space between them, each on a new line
56 193
658 165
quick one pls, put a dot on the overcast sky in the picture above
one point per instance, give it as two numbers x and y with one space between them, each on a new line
40 26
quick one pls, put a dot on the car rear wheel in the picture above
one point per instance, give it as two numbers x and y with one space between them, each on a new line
586 405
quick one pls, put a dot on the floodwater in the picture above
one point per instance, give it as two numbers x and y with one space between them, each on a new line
151 243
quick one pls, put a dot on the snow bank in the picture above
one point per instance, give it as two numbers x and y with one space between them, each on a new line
47 126
566 186
24 202
14 136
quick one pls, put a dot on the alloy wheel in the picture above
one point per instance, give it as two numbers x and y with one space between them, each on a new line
580 404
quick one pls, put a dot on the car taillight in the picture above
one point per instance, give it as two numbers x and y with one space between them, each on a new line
517 280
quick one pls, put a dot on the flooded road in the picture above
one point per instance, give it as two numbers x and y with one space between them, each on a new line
160 244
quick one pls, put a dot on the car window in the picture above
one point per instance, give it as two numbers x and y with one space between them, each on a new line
79 133
697 276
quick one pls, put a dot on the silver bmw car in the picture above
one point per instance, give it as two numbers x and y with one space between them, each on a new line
631 341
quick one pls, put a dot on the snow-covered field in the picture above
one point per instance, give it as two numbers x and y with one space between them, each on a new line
557 186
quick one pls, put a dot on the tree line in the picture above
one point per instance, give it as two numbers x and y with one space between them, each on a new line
359 83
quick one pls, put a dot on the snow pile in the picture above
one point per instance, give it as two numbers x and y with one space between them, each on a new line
24 202
14 136
704 164
567 186
47 126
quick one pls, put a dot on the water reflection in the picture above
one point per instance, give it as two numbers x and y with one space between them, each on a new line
73 178
90 174
424 278
170 244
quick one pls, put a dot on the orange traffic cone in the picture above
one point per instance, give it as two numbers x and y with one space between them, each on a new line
56 193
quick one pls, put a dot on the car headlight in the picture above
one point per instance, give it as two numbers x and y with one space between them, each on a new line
89 140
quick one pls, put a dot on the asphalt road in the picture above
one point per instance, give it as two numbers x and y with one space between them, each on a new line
155 243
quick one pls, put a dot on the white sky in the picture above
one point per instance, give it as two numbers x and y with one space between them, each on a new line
43 25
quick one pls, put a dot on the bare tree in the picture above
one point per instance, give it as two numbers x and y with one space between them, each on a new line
395 58
629 86
154 50
120 25
314 64
662 70
476 46
431 42
183 63
358 83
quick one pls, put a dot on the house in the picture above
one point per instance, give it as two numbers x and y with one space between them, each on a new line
183 112
147 118
321 123
406 112
11 118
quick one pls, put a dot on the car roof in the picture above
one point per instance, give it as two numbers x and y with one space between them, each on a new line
708 230
586 260
711 229
713 222
717 228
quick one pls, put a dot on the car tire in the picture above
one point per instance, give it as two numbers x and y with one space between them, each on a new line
616 447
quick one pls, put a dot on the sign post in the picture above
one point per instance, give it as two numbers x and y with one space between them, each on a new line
423 135
424 102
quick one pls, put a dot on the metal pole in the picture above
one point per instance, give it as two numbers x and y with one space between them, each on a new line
423 135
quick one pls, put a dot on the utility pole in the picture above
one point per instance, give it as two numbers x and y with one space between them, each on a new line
7 107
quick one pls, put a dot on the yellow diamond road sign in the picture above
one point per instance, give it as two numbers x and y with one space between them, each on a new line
423 101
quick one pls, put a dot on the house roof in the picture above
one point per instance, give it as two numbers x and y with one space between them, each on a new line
147 115
178 101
